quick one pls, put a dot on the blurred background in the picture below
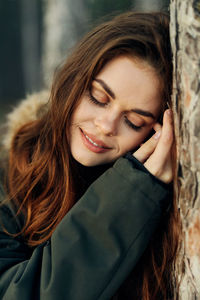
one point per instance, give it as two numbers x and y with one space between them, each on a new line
36 36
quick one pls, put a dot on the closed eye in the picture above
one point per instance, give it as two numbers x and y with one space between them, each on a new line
95 101
131 125
103 104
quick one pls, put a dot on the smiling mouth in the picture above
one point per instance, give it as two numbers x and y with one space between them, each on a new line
91 141
94 142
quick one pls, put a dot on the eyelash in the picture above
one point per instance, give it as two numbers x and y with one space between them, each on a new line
95 101
131 125
127 122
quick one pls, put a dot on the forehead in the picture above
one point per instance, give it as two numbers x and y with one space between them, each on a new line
133 81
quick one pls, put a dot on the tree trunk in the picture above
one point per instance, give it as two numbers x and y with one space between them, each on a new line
185 38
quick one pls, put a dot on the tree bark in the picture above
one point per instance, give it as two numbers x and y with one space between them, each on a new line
185 39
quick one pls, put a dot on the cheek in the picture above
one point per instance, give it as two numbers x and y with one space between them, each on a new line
78 114
129 144
85 111
133 140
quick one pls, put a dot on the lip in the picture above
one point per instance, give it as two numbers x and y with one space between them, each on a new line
101 148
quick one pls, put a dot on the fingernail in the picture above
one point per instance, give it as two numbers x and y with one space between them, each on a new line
157 135
169 112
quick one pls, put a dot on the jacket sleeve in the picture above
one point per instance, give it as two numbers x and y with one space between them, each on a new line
94 247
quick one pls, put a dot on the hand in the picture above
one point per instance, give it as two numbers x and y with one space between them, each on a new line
156 153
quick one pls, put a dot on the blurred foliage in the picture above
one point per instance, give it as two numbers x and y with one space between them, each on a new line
12 85
11 79
99 10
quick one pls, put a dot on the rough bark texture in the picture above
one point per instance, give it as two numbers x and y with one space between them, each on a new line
185 38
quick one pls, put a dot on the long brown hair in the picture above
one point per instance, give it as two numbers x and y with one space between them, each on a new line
41 176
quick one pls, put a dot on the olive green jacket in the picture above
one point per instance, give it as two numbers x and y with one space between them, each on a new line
94 247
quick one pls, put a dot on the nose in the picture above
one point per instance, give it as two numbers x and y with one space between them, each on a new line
107 123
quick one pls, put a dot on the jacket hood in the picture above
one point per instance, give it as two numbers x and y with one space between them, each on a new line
29 109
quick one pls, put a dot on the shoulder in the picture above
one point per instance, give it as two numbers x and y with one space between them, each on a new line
9 219
29 109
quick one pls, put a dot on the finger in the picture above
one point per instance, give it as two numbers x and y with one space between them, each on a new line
163 149
166 139
164 172
143 153
157 126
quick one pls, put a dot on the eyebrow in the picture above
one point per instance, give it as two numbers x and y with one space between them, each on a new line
143 113
138 111
106 87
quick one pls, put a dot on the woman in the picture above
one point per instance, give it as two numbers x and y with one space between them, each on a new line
89 180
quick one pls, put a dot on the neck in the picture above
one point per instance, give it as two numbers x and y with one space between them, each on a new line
84 176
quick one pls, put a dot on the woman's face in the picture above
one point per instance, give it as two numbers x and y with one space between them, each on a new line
117 113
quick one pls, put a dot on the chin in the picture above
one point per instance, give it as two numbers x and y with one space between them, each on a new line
87 162
92 161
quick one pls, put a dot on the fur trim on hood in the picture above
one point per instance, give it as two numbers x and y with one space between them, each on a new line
29 109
